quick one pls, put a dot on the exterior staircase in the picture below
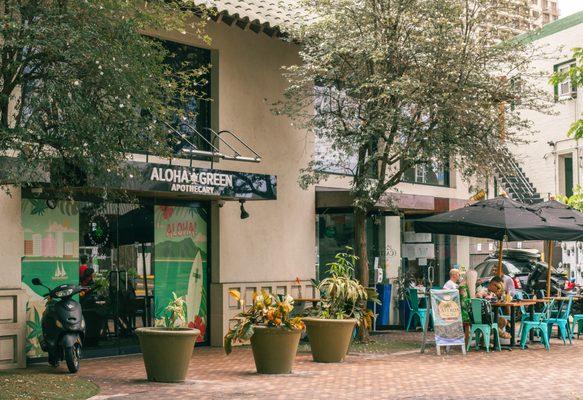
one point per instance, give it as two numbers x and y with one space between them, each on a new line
511 177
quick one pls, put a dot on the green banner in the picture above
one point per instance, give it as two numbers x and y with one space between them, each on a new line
180 262
51 253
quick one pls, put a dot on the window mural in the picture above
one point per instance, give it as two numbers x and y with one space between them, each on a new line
180 261
51 253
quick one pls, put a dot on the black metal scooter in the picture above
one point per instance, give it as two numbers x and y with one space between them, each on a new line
63 325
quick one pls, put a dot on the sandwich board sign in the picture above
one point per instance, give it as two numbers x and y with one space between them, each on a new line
447 319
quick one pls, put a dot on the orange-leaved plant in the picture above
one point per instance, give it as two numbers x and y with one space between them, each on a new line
266 310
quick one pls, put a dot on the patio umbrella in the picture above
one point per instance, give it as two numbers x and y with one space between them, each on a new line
564 213
501 219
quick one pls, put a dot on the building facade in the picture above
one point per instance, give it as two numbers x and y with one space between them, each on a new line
192 227
549 163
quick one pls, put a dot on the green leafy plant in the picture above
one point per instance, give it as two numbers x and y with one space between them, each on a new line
342 296
575 200
268 310
404 282
175 316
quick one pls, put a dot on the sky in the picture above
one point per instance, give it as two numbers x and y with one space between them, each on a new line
569 7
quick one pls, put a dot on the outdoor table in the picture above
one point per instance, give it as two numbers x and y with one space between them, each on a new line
513 306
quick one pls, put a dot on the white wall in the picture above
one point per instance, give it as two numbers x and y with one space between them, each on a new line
538 158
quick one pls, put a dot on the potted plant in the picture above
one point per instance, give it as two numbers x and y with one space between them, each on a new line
342 307
273 333
167 349
404 282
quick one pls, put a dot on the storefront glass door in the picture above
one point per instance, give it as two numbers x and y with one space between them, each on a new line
115 241
133 256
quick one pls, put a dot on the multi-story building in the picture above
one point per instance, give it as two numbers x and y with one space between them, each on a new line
515 17
550 163
543 12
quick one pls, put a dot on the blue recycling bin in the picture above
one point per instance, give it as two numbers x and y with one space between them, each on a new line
383 310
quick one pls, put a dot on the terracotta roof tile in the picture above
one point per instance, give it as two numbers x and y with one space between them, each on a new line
274 13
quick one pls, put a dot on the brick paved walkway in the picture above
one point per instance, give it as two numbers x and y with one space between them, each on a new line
528 374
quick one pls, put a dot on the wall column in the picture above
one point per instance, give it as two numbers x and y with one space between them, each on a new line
12 297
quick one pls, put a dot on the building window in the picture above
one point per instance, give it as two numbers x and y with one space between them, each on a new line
545 4
535 2
195 111
435 174
546 18
565 89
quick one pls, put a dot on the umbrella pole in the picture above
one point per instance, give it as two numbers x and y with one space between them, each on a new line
500 272
549 266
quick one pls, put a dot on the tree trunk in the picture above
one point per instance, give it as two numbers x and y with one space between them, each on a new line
360 246
360 252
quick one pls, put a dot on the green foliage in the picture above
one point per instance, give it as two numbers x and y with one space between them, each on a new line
175 316
575 74
404 282
575 200
401 83
342 296
82 87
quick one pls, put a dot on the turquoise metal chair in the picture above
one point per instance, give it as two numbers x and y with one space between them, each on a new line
561 319
577 323
480 328
415 310
539 324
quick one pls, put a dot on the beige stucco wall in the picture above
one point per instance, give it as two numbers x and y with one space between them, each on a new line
276 245
12 298
11 239
538 158
458 188
277 242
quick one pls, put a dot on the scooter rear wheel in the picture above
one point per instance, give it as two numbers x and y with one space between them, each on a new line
72 358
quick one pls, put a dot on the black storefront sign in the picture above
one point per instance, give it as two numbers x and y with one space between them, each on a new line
202 181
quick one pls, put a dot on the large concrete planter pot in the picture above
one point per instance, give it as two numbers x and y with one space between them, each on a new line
274 349
167 352
329 338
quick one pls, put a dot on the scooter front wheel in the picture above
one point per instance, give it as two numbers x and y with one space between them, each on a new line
72 358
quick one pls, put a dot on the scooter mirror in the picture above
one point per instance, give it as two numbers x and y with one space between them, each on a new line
36 282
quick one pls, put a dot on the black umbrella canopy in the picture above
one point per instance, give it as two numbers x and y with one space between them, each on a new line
501 219
559 210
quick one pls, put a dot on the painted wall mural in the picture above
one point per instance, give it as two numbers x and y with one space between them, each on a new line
51 253
180 262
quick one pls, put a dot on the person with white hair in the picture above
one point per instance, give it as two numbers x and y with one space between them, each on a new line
454 277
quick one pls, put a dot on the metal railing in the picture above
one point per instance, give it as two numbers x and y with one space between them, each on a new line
513 179
216 138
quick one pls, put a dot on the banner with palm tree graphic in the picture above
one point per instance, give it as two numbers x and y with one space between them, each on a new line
180 262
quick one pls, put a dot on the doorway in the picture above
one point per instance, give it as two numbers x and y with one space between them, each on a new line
142 254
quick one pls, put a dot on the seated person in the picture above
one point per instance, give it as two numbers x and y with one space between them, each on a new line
496 289
509 285
454 277
85 272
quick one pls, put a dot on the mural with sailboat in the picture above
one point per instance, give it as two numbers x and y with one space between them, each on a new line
51 253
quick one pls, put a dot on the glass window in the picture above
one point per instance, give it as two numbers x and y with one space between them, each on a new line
195 110
336 231
565 89
434 173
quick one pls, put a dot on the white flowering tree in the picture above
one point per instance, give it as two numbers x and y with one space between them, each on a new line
81 86
405 83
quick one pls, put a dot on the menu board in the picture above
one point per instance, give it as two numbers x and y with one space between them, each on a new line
447 318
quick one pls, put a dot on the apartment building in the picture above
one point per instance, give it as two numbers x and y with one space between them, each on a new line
550 163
